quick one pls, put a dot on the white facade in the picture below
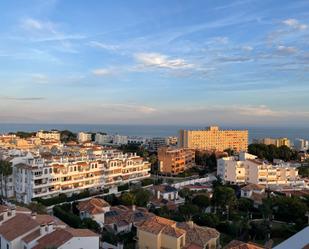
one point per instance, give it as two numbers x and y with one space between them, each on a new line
40 177
103 139
120 140
83 137
52 135
301 144
248 169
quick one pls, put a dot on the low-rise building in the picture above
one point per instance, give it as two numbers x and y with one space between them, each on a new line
157 232
236 244
175 161
254 192
21 229
247 168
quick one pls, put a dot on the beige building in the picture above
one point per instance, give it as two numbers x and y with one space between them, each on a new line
157 232
274 141
248 169
214 139
48 135
175 161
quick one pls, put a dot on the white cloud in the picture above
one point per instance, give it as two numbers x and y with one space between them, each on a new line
101 72
30 23
130 108
295 24
247 48
104 46
283 50
161 61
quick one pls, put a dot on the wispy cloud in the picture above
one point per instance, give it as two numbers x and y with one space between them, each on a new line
283 50
23 98
104 46
102 72
129 108
295 24
156 60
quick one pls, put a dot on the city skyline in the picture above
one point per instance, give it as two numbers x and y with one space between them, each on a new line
216 62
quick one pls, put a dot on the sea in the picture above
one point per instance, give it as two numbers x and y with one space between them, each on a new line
149 131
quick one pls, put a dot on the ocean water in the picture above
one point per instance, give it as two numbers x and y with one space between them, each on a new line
155 130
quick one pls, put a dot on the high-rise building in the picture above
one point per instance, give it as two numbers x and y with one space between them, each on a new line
301 144
214 139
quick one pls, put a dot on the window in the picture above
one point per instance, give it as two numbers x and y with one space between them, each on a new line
7 246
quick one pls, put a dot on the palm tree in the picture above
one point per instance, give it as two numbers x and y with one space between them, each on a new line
5 171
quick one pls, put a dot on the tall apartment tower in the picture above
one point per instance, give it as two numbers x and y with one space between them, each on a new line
213 138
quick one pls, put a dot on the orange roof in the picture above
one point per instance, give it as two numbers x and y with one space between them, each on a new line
17 226
61 236
32 236
236 244
92 206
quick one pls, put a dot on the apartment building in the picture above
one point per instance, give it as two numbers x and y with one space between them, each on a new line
214 139
38 176
172 141
84 137
274 141
156 142
120 140
248 169
103 138
48 135
175 161
21 229
301 144
157 232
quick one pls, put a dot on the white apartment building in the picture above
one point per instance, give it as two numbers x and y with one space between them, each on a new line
83 137
21 229
48 135
103 139
36 176
301 144
248 169
120 140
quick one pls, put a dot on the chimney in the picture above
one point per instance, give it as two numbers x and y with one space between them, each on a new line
43 229
50 227
133 208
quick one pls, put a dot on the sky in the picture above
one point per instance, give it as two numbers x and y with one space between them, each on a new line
241 62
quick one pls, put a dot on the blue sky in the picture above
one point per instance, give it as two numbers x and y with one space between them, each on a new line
242 62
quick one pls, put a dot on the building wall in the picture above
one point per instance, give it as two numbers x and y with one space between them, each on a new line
175 160
148 240
82 243
214 139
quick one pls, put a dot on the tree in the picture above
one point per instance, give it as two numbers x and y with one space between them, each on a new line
303 171
127 199
202 201
5 171
245 204
223 197
188 211
142 197
209 220
185 193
